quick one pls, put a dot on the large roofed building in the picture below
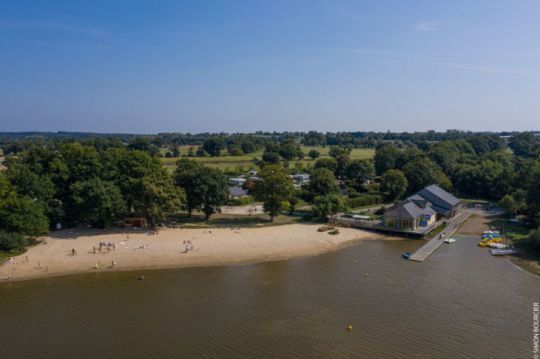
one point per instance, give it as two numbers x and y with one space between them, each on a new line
443 202
422 209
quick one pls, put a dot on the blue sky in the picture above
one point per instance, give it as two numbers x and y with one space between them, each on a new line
193 66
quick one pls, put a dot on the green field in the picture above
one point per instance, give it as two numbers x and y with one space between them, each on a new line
226 162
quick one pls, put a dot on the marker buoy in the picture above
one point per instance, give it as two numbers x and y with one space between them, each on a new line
349 328
141 277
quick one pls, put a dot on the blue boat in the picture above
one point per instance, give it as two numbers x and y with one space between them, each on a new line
407 255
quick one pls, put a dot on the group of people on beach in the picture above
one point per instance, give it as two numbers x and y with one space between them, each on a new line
102 245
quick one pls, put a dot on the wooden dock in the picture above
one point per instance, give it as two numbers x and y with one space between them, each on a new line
427 249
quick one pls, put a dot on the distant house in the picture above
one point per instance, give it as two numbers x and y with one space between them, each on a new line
237 192
300 179
237 181
422 209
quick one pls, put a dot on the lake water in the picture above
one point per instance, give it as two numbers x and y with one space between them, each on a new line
460 303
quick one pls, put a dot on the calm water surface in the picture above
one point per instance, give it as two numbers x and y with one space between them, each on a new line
460 303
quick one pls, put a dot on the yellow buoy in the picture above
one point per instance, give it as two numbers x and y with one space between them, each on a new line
349 328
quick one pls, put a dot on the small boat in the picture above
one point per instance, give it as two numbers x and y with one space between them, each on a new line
497 245
449 240
406 255
502 252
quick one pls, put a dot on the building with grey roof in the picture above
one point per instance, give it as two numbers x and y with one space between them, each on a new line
422 209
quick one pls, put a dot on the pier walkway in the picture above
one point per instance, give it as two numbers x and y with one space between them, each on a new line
433 244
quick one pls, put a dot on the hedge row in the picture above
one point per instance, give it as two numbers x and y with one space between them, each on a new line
365 200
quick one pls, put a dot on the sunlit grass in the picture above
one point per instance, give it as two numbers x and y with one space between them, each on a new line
227 162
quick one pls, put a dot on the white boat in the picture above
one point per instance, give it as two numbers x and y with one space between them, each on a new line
497 245
449 240
502 252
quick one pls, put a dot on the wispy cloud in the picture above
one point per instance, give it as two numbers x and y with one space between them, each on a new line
426 26
338 8
460 66
368 51
56 26
490 69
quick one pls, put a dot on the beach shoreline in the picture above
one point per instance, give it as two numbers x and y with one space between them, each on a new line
139 250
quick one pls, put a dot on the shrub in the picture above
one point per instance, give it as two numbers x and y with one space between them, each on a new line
235 151
12 242
325 228
365 200
334 232
242 201
531 243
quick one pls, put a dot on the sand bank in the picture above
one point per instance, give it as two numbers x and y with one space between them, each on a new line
140 250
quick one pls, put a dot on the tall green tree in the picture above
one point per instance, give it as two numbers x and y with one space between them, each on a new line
205 188
146 186
186 177
98 202
212 184
156 197
336 151
533 194
20 214
322 182
328 163
273 189
422 172
394 183
328 205
360 172
525 145
213 146
385 158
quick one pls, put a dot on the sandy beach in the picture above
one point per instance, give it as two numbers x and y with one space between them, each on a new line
137 249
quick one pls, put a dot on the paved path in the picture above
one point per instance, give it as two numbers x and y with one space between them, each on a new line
452 226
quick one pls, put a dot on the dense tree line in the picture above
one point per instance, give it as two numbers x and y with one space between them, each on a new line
73 183
477 167
101 180
242 143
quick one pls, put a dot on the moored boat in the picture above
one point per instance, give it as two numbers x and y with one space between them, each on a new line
502 252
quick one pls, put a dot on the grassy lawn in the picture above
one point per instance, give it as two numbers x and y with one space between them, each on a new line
516 232
233 220
226 162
